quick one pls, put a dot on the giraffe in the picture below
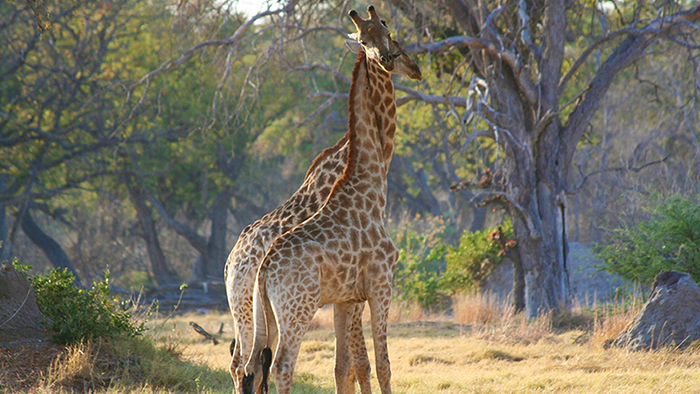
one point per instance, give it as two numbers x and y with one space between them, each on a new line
245 257
247 254
342 254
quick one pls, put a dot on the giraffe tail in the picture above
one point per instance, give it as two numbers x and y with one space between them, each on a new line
265 340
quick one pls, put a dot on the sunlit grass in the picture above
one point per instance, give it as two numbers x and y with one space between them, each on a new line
467 352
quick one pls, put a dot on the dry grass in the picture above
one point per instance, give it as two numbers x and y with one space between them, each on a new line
73 368
482 348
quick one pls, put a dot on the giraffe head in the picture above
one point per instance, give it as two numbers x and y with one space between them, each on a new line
374 38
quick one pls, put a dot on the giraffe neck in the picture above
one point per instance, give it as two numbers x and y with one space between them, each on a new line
370 137
384 105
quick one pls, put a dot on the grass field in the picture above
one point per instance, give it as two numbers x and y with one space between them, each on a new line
439 355
496 353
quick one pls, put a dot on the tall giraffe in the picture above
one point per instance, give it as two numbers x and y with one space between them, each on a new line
250 248
245 257
343 254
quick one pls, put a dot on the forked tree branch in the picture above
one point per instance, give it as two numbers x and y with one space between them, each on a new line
659 26
629 51
234 40
509 57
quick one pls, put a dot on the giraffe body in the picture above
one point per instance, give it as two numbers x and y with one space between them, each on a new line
343 254
245 257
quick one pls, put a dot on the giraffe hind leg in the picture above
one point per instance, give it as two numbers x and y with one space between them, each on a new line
358 350
379 308
344 379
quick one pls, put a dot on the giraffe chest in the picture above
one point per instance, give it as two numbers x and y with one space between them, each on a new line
358 264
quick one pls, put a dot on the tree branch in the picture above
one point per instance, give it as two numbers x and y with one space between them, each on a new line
428 98
509 200
585 178
196 240
657 27
510 58
234 40
630 50
553 54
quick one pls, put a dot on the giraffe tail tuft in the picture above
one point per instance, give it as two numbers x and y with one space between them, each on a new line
248 384
266 358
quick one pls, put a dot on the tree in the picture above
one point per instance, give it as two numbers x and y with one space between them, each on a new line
527 93
189 180
53 127
61 113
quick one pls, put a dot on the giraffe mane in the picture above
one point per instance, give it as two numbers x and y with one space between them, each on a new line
350 135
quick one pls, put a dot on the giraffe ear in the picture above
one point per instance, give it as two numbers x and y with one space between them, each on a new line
353 45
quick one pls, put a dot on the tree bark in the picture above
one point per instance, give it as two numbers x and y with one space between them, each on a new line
217 249
4 246
518 280
213 251
160 269
51 248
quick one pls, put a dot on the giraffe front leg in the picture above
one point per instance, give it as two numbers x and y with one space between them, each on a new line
379 307
344 380
358 350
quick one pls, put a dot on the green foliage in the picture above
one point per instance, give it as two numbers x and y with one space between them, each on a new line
74 315
20 267
430 270
474 259
668 240
421 259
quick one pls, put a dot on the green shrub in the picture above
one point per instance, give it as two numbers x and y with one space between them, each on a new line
74 315
668 240
421 258
474 259
430 271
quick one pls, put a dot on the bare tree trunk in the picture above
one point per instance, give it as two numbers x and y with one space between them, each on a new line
217 249
160 269
4 246
51 248
213 251
518 280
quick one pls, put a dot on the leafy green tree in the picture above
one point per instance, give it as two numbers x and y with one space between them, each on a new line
189 179
55 104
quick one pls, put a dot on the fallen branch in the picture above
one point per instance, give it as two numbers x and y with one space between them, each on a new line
199 330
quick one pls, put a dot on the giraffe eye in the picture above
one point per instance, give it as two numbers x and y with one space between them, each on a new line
363 42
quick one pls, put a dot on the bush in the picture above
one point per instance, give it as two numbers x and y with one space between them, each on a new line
669 240
74 315
474 259
430 271
421 260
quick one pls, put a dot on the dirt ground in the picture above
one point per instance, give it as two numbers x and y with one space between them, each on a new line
24 359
